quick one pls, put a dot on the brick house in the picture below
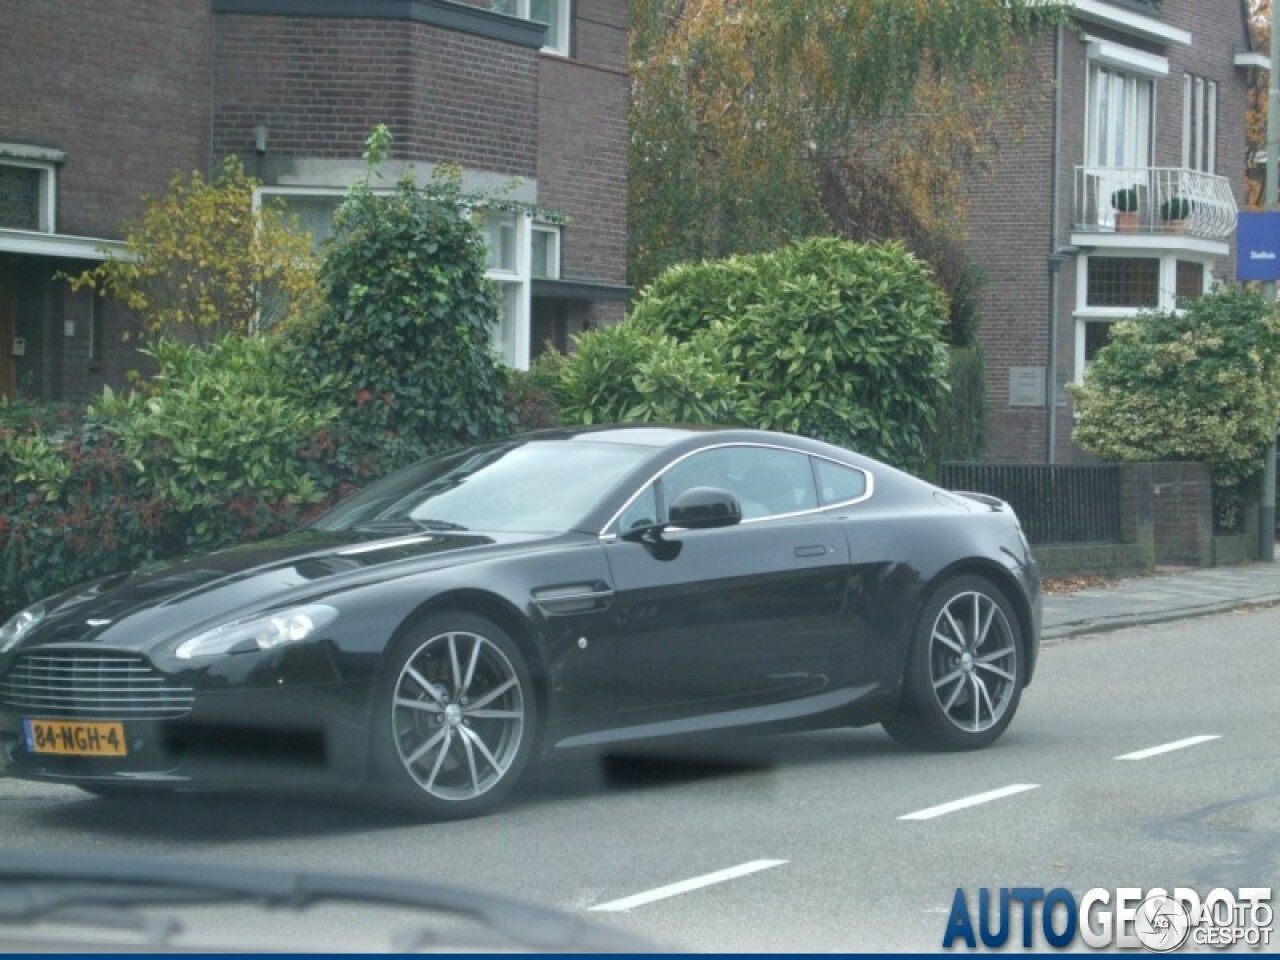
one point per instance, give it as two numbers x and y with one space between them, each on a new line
1142 107
105 100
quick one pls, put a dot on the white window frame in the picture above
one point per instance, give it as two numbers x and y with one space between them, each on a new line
512 333
560 29
1199 124
47 199
552 233
1167 294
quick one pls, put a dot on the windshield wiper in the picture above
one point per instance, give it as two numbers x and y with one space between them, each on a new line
75 889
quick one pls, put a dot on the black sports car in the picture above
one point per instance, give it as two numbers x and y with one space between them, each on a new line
568 589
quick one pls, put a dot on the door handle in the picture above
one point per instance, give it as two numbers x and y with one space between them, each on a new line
812 550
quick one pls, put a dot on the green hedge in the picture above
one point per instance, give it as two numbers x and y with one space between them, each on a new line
407 321
227 444
827 338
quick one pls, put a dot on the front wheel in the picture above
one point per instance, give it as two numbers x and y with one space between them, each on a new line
965 669
454 716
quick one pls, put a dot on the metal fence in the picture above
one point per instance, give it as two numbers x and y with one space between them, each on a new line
1056 504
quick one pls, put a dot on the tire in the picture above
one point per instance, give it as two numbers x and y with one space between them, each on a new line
454 717
965 669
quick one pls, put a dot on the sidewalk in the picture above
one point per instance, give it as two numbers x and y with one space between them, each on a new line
1160 597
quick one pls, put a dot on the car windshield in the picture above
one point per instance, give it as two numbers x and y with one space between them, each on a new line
546 486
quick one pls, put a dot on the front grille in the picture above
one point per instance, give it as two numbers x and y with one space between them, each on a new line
92 685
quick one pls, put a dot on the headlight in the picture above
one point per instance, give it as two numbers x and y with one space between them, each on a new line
19 625
259 633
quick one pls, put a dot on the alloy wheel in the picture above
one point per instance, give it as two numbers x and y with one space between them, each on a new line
458 715
973 663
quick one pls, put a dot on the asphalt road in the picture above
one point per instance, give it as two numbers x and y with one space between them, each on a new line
833 841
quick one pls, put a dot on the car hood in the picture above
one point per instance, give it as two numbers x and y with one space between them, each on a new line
135 611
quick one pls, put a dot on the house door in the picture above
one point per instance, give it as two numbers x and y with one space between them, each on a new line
8 330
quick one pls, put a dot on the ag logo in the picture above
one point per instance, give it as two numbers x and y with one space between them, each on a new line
1161 924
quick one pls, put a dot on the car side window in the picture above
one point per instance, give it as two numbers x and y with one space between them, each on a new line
641 512
767 481
838 483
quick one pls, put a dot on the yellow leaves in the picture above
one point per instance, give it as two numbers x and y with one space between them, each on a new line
203 263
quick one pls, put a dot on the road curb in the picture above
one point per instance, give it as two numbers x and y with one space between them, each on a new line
1078 628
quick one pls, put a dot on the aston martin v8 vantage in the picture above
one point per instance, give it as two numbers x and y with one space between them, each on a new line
487 607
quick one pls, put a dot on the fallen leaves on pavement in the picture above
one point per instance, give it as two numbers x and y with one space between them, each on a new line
1074 583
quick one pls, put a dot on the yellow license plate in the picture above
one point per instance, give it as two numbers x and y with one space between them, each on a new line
76 738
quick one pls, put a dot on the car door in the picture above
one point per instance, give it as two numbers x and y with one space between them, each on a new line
735 616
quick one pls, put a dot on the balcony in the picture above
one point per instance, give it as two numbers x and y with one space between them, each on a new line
1153 201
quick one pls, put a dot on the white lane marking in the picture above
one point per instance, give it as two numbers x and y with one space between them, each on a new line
684 886
1167 747
944 808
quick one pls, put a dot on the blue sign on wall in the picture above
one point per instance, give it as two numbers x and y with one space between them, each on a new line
1258 245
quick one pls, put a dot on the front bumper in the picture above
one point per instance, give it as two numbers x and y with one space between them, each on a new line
271 727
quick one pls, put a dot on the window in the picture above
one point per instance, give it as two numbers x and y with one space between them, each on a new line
1113 288
546 252
838 483
767 482
1117 135
508 239
1096 335
28 189
1119 119
313 210
554 13
501 235
1123 282
1190 282
20 198
1199 123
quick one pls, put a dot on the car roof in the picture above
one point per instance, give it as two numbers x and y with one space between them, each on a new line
643 435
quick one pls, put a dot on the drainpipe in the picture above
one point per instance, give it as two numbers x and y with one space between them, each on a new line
1055 255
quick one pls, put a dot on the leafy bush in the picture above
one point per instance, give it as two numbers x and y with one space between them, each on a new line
623 374
228 444
406 320
1201 384
220 423
531 404
961 415
831 339
70 514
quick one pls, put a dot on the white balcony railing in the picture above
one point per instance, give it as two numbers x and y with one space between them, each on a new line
1153 200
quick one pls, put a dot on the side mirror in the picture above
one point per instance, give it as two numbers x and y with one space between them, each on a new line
702 508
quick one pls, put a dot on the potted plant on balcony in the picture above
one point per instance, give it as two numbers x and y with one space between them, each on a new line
1125 203
1174 213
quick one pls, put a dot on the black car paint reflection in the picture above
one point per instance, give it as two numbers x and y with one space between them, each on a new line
484 618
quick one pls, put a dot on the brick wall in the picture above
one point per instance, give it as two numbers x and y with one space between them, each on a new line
122 87
582 143
1172 507
1009 225
321 84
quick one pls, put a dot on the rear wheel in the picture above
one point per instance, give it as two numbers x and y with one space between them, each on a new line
965 670
454 716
